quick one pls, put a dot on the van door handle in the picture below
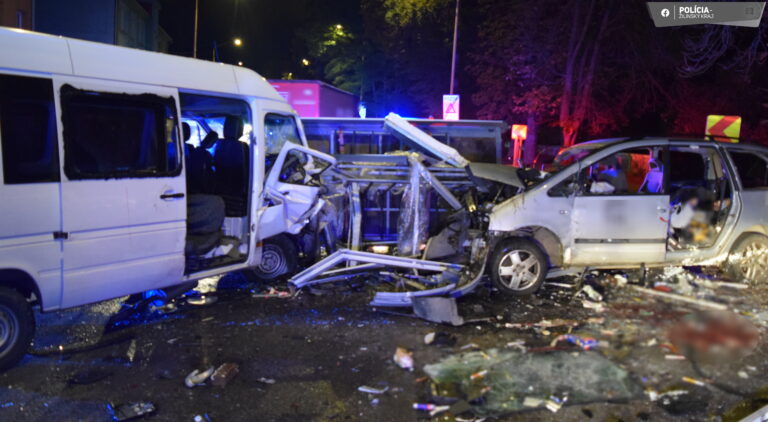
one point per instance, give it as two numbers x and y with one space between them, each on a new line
169 196
286 193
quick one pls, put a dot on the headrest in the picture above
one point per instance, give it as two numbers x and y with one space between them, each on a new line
186 132
233 127
209 139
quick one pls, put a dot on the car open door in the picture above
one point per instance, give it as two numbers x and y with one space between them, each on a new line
291 189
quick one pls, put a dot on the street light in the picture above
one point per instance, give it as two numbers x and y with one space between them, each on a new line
305 62
237 42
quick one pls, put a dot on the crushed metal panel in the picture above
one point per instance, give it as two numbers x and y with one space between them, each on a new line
420 138
497 173
307 277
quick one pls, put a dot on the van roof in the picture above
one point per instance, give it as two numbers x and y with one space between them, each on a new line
47 54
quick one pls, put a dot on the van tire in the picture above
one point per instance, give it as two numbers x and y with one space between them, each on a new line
279 258
205 214
17 327
526 262
748 260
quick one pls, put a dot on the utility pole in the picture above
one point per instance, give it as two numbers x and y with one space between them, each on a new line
453 56
194 47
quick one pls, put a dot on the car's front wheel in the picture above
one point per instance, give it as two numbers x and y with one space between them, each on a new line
518 267
748 260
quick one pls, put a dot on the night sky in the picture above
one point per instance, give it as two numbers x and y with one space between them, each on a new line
268 29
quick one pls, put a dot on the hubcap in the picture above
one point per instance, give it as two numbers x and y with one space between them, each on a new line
9 329
272 260
519 269
753 264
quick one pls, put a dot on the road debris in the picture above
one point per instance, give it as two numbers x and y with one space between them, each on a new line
403 358
372 390
196 377
224 374
131 411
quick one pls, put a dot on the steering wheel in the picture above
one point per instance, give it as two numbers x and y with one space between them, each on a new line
293 170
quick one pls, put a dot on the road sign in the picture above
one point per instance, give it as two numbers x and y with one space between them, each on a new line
450 107
724 128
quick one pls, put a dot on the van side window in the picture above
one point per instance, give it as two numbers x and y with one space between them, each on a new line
28 130
109 135
752 169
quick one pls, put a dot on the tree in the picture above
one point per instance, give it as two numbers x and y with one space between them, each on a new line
586 67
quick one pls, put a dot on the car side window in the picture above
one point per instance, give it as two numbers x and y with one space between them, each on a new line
109 135
28 130
751 168
637 171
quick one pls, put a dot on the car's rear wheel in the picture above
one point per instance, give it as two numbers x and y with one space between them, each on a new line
17 327
748 260
518 267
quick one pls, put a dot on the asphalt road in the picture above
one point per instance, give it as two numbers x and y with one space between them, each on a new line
303 359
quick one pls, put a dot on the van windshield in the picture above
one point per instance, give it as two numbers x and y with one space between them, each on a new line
279 129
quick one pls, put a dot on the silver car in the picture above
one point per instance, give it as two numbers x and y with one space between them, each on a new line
625 203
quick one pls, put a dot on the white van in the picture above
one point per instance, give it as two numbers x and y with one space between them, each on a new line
123 171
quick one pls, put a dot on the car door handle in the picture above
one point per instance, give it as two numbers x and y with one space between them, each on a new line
170 196
286 193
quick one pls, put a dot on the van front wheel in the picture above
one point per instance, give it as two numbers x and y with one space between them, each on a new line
17 327
279 258
518 267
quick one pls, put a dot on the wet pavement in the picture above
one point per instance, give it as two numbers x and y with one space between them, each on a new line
304 358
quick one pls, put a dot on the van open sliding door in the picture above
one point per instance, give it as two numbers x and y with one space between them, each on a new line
123 189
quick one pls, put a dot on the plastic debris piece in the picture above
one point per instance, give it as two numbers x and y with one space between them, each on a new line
131 411
265 380
429 338
479 375
202 300
532 402
196 377
442 310
426 407
439 409
469 346
743 374
555 403
131 353
403 358
591 293
694 381
674 357
372 390
224 374
586 343
202 418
